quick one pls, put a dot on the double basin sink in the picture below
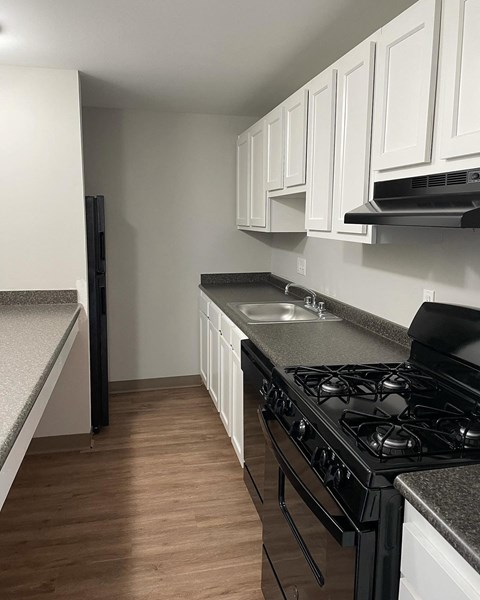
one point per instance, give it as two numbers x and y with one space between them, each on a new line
279 312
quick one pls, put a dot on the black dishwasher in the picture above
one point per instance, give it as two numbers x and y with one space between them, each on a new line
257 374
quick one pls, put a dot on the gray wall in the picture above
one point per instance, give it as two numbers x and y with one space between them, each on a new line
387 280
169 183
42 221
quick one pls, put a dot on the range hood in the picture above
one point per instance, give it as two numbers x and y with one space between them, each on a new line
438 200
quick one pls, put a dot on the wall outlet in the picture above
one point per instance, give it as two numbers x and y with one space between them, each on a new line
429 295
301 265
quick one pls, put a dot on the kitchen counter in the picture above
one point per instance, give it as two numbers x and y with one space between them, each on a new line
308 343
448 499
31 339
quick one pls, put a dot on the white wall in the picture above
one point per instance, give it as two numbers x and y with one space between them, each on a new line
169 184
387 280
42 224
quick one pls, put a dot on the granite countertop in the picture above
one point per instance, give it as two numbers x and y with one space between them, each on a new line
310 343
31 338
448 499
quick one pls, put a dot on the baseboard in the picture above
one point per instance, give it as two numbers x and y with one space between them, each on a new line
60 443
157 383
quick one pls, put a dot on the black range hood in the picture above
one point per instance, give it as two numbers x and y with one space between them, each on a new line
438 200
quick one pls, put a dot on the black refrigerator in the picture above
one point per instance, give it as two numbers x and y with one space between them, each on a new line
97 302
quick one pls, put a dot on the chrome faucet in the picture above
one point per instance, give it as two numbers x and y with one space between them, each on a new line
310 300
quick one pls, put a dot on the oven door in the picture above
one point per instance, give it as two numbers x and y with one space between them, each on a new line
312 549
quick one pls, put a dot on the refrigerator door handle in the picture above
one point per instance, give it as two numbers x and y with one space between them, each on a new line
102 245
103 300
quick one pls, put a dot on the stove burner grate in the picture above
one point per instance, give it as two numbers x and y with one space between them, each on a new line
369 382
416 432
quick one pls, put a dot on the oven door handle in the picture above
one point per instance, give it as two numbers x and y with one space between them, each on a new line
337 526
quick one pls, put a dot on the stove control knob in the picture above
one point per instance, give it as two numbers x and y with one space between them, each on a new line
323 458
338 477
282 405
265 389
301 429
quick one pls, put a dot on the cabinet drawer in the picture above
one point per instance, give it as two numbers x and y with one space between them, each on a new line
203 303
429 572
215 315
237 337
226 328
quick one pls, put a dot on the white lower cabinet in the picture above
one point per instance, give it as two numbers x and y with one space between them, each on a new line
221 370
203 336
204 348
225 384
214 363
237 406
225 373
431 569
237 392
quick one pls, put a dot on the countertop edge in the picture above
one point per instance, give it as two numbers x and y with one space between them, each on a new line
30 401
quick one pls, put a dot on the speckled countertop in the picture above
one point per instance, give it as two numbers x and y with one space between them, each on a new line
329 342
31 338
448 499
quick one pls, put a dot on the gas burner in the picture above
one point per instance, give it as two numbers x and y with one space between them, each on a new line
393 440
405 435
395 383
469 434
334 386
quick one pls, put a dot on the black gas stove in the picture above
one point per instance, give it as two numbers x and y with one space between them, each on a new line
384 419
358 426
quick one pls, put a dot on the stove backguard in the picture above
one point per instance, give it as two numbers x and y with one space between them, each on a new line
446 342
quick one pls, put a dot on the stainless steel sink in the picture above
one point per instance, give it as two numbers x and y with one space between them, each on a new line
279 312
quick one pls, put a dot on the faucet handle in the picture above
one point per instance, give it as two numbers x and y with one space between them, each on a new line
308 301
321 307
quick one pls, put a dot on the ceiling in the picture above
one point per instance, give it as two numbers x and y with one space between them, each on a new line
237 57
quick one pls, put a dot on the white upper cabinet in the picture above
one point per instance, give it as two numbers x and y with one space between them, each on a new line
274 146
407 58
257 192
321 145
460 134
296 138
353 135
242 180
294 177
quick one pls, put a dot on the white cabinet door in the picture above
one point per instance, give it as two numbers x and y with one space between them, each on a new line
274 142
353 134
225 384
214 363
242 180
321 148
296 138
257 192
461 92
237 406
407 57
204 348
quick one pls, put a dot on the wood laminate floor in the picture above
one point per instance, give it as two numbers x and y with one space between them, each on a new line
157 510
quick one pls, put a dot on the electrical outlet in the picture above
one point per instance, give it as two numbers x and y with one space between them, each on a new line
429 295
301 265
